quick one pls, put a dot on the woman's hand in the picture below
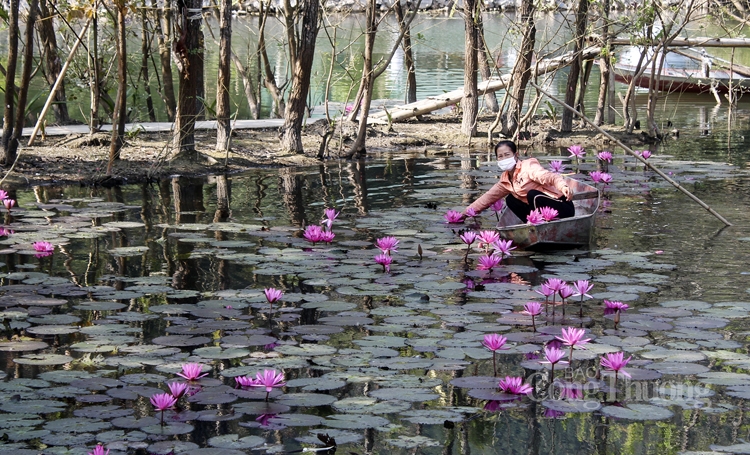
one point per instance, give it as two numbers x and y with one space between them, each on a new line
567 192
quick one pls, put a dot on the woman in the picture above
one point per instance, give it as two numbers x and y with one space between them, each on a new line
526 186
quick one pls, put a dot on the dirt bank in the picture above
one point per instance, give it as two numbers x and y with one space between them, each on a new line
74 159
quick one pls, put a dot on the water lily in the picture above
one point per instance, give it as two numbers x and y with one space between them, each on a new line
330 215
514 386
177 389
646 154
571 392
4 231
471 212
272 295
573 337
582 288
385 261
576 151
245 381
313 234
99 450
565 292
548 213
503 247
192 371
596 176
614 307
553 356
3 195
533 309
453 217
497 207
387 245
494 342
487 238
605 156
43 249
606 178
269 379
162 402
264 419
488 262
535 217
9 203
556 166
327 236
615 361
468 238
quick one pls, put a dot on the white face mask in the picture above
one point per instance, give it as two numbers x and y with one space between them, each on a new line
507 164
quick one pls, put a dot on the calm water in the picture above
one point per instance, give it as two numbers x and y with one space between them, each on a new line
145 278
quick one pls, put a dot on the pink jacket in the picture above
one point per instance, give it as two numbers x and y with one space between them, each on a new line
527 175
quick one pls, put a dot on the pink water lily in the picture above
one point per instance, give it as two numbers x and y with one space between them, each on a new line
605 156
646 154
385 261
471 212
273 295
582 288
192 371
576 151
498 205
615 361
494 342
548 213
5 231
596 176
614 307
606 178
43 249
3 195
9 203
99 450
573 337
177 389
533 309
469 237
245 381
487 238
514 386
327 236
535 218
269 379
503 247
553 356
330 215
162 402
488 262
387 245
571 392
264 419
453 217
313 234
556 166
566 291
556 284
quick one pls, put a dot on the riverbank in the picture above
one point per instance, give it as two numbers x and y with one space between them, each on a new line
76 159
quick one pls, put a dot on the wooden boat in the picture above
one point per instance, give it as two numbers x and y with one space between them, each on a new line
684 71
575 231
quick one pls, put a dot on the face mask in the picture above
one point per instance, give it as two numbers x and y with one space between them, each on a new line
507 164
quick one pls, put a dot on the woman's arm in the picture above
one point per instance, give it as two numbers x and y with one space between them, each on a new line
494 194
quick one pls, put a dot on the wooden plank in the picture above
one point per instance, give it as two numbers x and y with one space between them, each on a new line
585 195
434 103
690 42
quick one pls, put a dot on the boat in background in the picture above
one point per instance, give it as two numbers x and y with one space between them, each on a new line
686 70
574 231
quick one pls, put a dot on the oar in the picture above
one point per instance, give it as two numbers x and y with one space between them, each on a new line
637 156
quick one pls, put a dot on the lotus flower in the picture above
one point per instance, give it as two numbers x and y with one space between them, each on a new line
556 166
582 288
596 176
532 309
192 371
552 414
3 195
494 342
471 212
548 213
43 249
573 337
469 237
487 238
514 386
327 236
385 261
273 295
615 361
504 247
5 231
488 262
552 357
453 217
606 178
264 419
330 215
646 154
9 203
162 402
177 389
269 379
535 218
556 284
576 151
387 245
612 307
313 234
605 156
571 392
498 205
99 450
245 381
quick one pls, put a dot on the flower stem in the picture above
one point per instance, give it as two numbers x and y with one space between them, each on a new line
494 365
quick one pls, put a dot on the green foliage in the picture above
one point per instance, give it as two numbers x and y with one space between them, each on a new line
210 108
4 14
550 111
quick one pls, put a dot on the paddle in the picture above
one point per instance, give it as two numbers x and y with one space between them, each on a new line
637 156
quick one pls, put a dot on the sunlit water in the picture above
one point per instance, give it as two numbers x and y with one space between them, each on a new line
139 284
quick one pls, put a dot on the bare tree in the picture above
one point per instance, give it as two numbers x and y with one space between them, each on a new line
10 83
186 51
223 127
118 118
411 76
145 53
566 124
162 29
51 58
470 103
301 52
269 79
521 71
366 82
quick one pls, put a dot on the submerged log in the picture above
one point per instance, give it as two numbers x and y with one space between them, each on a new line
434 103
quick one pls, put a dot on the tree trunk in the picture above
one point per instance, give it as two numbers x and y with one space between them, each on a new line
28 62
490 100
145 52
187 55
94 75
521 70
583 85
223 127
162 25
566 124
358 148
469 103
248 85
52 61
118 116
302 53
10 83
411 76
269 80
605 66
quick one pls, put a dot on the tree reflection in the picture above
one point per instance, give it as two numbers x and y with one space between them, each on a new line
291 192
